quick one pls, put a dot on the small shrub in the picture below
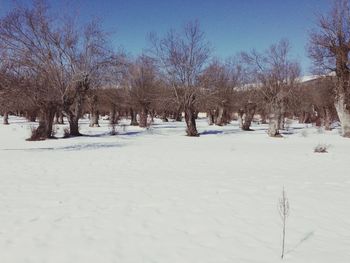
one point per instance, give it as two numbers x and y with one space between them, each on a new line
321 148
283 207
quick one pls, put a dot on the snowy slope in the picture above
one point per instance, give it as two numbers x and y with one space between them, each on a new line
158 196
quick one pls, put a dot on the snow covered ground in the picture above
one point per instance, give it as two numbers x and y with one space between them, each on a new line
158 196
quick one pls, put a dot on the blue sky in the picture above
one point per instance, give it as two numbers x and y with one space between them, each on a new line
230 25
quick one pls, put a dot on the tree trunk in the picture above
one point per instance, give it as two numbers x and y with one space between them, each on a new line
302 117
211 117
220 121
113 116
263 117
74 126
196 113
326 118
273 130
44 130
94 113
152 113
164 116
55 119
143 117
6 118
60 119
305 117
73 117
94 119
240 118
133 115
190 118
31 115
178 114
343 111
282 122
248 116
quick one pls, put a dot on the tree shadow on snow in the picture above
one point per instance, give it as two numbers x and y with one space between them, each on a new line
304 239
211 132
75 147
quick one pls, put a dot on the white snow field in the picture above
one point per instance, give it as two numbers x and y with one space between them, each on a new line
158 196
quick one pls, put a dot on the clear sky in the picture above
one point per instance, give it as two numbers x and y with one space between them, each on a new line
230 25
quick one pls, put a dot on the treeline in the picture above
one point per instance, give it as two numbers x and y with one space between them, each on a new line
52 68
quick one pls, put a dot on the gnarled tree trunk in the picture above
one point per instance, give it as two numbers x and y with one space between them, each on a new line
94 113
273 130
74 116
143 117
248 116
327 118
240 118
190 116
221 115
211 119
113 116
343 110
164 116
178 114
44 130
133 115
6 118
60 119
31 115
275 117
94 119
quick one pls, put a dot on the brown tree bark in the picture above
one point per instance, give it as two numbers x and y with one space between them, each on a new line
190 118
73 116
164 116
274 121
6 118
190 115
133 115
343 110
113 116
46 119
94 113
143 117
211 119
60 119
248 116
31 115
327 118
221 116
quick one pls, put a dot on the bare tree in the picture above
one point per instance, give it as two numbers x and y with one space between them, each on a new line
182 56
330 48
275 75
143 86
219 81
58 61
27 36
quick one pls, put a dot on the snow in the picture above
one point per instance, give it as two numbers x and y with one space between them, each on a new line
308 78
155 195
